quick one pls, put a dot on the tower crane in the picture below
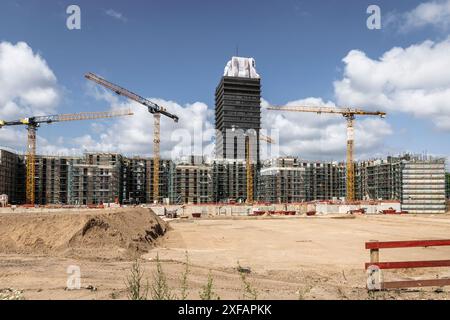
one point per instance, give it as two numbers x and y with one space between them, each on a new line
154 109
349 114
33 123
248 163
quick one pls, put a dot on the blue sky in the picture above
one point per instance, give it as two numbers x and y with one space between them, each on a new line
176 51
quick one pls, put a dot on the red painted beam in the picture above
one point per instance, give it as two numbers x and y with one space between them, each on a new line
406 244
410 264
415 283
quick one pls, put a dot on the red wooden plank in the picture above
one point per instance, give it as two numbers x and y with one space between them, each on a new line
410 264
415 283
406 244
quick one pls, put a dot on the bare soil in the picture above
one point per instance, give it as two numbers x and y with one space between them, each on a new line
288 258
111 234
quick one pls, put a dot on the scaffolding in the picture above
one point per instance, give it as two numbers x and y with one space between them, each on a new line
190 183
12 175
163 181
290 179
96 179
134 180
230 180
423 185
282 181
420 183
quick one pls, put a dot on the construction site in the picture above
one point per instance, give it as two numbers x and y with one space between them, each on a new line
236 174
298 226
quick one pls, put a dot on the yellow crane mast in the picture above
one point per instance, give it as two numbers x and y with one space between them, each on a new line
248 166
33 123
248 162
349 114
154 109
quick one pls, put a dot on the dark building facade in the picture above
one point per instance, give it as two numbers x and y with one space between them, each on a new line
237 120
290 179
95 179
51 179
190 182
447 185
229 180
12 176
238 111
134 186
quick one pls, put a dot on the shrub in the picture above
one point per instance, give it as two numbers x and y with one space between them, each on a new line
136 290
207 292
160 288
249 292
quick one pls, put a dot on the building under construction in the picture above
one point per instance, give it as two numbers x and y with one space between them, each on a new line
447 185
12 176
290 179
190 181
283 180
418 182
238 110
137 180
229 179
52 182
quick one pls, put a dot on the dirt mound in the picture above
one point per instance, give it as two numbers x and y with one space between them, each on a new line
115 234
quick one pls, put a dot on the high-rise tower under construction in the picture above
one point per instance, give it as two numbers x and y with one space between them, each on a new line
238 110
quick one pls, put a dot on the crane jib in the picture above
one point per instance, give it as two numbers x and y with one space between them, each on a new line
151 106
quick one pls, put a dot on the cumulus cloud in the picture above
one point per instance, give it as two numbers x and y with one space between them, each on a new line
13 138
324 136
27 85
412 80
432 13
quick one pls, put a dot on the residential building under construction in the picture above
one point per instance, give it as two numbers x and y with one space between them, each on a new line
418 182
190 182
447 185
12 176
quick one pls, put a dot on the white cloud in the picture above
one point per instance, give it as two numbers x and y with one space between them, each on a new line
27 85
14 138
412 80
435 14
116 15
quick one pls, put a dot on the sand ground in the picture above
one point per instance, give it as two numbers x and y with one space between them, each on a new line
289 258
